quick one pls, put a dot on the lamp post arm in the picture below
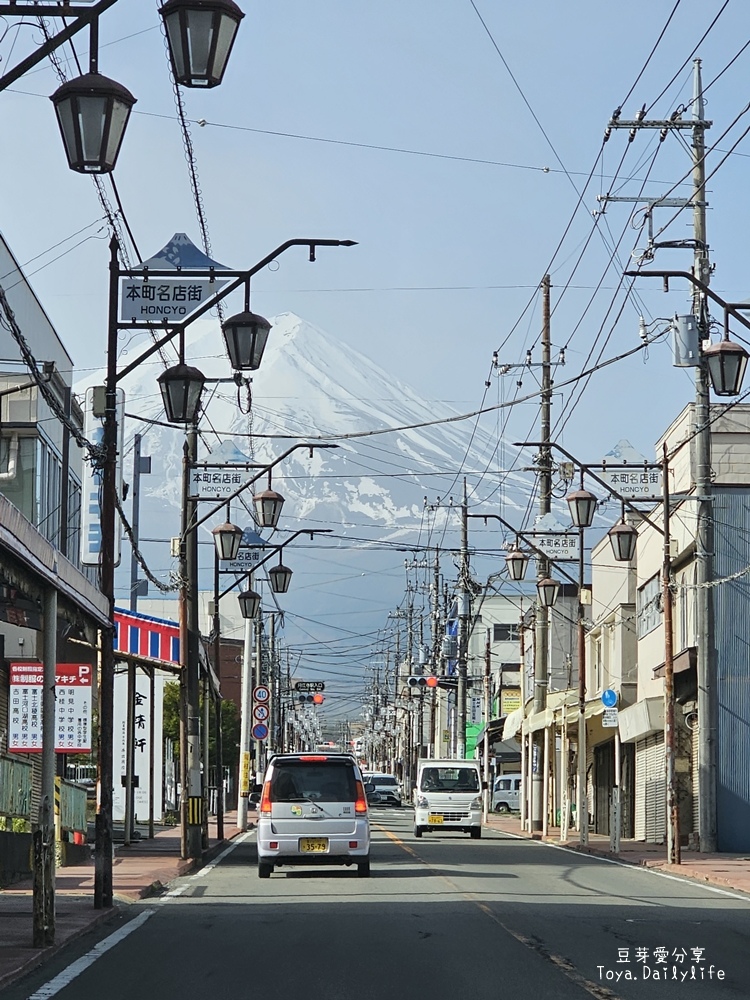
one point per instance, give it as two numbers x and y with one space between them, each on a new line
274 550
239 278
250 482
525 536
730 308
602 482
85 16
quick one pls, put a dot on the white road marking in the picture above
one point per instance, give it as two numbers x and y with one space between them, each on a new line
180 889
684 879
66 977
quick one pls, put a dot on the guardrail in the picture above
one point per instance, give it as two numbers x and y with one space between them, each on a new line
15 787
70 806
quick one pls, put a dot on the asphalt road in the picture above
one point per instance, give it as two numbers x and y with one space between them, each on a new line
442 918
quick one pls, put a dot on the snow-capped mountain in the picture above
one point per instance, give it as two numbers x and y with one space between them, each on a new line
394 451
313 388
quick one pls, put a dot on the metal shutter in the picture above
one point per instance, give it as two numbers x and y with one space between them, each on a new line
650 790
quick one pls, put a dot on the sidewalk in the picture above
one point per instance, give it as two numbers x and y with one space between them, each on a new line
143 869
728 871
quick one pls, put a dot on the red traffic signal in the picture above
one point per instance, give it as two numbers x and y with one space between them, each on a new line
318 699
422 681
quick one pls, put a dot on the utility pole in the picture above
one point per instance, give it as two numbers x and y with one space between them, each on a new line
436 651
487 693
541 666
191 804
464 610
258 744
704 542
704 552
216 628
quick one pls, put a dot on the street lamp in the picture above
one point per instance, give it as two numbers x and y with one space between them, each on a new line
582 506
268 504
249 601
547 589
726 363
517 560
280 577
181 387
92 112
245 336
184 410
623 539
200 34
227 538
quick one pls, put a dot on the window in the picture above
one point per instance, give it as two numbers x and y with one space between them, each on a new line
649 606
506 632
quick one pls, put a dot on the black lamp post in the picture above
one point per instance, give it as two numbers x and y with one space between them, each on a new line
245 336
201 34
181 387
726 363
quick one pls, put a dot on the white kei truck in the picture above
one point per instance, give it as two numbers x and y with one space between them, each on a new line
448 796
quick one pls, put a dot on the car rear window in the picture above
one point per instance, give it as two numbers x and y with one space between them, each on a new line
299 781
387 780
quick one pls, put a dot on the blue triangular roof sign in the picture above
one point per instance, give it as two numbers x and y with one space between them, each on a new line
181 252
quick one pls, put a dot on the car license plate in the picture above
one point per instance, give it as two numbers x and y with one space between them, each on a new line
313 845
434 819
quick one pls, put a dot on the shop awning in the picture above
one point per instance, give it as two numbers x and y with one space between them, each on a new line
513 723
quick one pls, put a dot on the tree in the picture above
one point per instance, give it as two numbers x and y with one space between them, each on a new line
230 724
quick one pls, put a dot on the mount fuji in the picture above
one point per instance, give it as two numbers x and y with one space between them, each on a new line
383 493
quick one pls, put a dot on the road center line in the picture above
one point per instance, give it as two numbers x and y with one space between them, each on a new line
66 977
566 967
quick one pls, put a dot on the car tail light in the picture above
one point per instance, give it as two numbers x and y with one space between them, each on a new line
360 806
314 757
265 799
273 845
353 843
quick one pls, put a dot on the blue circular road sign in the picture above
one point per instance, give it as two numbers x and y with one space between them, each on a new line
609 698
260 731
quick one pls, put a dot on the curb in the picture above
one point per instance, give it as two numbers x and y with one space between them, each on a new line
45 954
154 889
679 871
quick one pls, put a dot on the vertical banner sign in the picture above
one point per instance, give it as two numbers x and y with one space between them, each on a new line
141 743
72 707
91 485
245 773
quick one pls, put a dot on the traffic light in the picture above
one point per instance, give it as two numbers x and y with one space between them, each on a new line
422 681
318 699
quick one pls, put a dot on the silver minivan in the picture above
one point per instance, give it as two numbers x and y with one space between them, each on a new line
313 811
506 794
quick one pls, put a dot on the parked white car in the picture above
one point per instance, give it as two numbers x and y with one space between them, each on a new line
506 794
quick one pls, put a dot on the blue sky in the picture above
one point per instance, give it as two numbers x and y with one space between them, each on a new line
453 140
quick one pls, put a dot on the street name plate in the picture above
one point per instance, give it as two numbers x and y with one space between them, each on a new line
610 718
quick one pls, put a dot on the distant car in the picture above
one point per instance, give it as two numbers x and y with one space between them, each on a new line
506 794
387 786
313 811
